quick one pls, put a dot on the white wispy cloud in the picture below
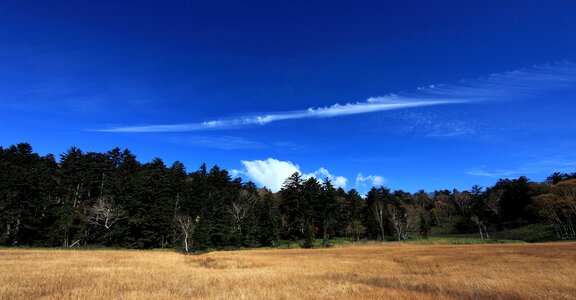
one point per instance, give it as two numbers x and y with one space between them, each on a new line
547 166
223 142
434 125
509 85
384 103
272 173
229 142
373 180
499 86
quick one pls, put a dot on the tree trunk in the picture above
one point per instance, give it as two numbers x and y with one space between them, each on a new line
186 242
65 244
16 229
382 231
76 196
102 185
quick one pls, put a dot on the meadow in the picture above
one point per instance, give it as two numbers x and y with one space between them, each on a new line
369 271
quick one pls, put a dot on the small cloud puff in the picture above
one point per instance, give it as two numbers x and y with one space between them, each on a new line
322 173
374 180
236 173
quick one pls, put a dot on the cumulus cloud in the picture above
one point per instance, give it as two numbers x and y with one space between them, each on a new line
322 173
373 180
272 173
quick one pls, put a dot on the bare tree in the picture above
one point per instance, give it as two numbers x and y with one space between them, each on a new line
104 212
187 225
412 219
240 207
493 200
443 207
481 226
567 191
463 201
355 229
396 219
405 219
552 208
378 209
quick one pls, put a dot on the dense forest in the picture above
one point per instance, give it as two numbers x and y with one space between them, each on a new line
111 199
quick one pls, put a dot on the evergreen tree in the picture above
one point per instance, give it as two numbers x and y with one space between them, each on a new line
201 236
308 236
152 221
291 206
25 195
123 186
517 194
268 218
221 192
352 213
327 210
375 212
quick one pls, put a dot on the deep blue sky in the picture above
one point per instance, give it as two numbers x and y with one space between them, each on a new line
440 94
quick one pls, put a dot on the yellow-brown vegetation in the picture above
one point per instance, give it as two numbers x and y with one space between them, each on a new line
385 271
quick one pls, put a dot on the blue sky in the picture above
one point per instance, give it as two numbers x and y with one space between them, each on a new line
408 94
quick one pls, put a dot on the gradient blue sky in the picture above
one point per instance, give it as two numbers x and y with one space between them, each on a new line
409 94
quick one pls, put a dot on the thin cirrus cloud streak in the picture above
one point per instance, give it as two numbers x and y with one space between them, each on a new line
509 85
391 102
499 86
557 164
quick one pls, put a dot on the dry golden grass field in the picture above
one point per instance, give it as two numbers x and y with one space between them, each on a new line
384 271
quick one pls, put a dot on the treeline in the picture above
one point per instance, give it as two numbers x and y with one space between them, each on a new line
111 199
